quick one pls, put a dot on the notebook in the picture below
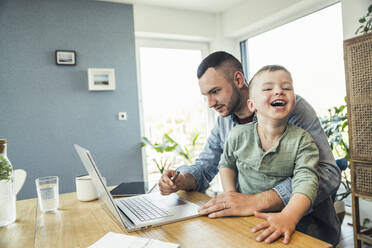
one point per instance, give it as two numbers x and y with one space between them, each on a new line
129 189
141 211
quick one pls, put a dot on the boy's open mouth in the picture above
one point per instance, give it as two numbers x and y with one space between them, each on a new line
278 103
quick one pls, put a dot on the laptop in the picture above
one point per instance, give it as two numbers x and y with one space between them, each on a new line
141 211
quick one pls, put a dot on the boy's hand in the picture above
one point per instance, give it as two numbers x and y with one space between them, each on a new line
275 226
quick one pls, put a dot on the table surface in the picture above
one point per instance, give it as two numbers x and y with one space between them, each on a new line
80 224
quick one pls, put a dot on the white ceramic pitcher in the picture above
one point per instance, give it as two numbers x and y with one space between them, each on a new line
8 192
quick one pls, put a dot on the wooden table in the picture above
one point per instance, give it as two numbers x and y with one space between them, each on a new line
80 224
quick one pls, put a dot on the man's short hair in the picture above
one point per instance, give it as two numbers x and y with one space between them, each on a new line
219 60
268 68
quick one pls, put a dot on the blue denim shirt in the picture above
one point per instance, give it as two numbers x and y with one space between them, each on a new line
321 222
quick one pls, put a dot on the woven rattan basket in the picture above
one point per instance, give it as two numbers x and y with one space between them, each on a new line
358 68
362 177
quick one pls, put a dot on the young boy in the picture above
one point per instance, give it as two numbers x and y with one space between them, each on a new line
265 152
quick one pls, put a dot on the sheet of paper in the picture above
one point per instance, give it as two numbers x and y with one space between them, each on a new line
114 240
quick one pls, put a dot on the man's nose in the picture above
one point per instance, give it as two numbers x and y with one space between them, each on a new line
211 101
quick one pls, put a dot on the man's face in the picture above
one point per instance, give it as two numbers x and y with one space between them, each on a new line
222 95
272 95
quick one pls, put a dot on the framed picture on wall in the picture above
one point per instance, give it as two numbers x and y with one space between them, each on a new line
101 79
65 57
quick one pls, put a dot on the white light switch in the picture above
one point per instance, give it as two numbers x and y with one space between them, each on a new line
122 116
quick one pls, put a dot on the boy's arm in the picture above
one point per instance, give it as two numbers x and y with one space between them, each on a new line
283 223
228 179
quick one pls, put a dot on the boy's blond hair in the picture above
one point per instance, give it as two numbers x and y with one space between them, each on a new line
268 68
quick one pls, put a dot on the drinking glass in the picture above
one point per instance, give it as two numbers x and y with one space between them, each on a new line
47 193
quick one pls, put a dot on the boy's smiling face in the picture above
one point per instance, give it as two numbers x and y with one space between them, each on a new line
272 95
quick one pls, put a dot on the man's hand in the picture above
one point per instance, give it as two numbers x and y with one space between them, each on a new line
230 204
183 182
238 204
275 226
166 185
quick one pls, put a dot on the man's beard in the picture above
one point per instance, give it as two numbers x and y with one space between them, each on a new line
234 104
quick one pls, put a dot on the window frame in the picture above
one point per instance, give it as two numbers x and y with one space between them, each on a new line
170 44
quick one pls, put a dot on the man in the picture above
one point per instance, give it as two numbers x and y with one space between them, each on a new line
221 79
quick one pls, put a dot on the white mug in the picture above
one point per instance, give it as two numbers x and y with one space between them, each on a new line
85 190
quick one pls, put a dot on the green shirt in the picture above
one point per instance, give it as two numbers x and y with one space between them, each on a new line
295 155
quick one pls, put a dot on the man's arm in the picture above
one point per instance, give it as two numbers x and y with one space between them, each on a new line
197 176
205 167
238 204
305 117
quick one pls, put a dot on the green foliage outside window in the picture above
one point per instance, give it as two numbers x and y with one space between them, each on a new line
170 145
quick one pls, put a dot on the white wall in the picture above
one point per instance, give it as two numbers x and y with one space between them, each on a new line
351 11
223 31
239 19
186 25
160 22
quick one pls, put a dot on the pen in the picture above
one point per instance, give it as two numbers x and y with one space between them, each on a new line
175 176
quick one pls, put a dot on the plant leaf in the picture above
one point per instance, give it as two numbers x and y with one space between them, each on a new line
169 139
195 138
362 19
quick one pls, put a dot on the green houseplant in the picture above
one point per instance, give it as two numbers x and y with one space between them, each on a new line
169 145
335 126
366 22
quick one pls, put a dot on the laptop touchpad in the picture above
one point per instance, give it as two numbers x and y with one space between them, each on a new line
171 200
174 201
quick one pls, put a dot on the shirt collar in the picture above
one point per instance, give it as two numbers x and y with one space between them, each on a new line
235 119
275 148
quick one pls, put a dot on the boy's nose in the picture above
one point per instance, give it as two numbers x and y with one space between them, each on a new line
278 91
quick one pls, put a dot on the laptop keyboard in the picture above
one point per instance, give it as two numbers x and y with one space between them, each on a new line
144 209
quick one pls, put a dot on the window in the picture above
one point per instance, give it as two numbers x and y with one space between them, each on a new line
171 100
311 49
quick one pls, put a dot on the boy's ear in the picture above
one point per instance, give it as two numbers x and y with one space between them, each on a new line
251 106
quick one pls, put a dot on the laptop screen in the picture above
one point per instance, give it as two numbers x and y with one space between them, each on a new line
103 193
